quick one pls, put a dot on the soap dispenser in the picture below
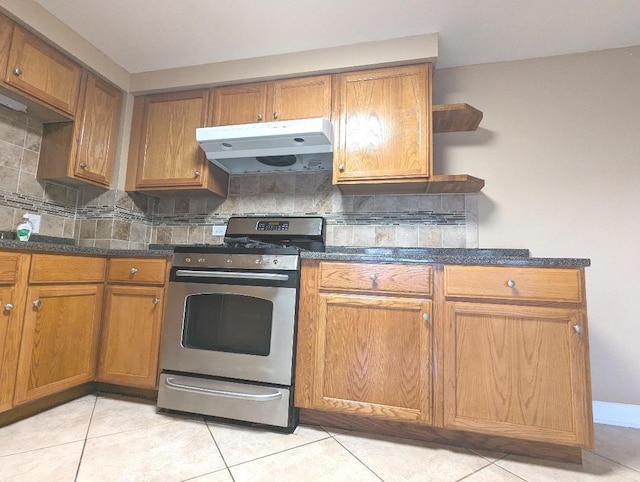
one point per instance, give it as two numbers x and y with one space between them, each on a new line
24 229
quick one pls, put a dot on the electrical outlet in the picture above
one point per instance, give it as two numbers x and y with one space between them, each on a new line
219 230
35 221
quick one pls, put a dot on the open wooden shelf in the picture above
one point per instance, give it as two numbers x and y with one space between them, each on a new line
454 184
455 118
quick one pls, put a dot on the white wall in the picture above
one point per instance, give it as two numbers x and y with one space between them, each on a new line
559 149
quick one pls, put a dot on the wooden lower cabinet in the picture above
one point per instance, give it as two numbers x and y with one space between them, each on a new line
517 371
59 340
131 336
132 322
363 349
373 356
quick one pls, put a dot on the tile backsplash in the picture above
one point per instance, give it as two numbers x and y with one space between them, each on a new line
116 219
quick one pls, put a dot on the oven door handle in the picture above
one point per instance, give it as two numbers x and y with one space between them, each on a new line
267 397
232 274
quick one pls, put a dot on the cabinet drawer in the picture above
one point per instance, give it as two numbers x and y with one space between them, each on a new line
387 278
536 284
53 268
8 268
137 271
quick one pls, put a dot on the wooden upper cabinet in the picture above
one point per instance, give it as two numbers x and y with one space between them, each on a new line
38 70
84 150
163 152
288 99
383 124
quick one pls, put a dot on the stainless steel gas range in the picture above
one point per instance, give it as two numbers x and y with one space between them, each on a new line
228 341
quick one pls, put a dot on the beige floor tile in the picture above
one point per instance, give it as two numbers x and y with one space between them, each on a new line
492 473
64 424
240 444
114 415
174 451
320 461
593 468
618 443
401 459
219 476
53 464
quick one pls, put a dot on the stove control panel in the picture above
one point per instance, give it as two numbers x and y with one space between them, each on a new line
272 226
235 261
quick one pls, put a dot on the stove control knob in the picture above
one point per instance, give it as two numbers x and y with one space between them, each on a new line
258 261
275 261
228 260
187 260
201 260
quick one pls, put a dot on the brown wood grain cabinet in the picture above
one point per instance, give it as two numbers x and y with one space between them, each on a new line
364 340
164 157
14 269
40 72
516 359
280 100
132 322
84 150
61 325
382 120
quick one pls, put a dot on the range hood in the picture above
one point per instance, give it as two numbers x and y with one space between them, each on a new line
295 145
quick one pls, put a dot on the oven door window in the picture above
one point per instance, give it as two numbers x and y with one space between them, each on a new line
228 322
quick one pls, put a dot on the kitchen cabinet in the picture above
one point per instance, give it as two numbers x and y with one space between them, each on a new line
132 322
61 325
84 150
39 72
164 157
280 100
516 353
382 120
364 340
14 268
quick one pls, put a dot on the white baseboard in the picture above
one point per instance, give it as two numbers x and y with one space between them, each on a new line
620 414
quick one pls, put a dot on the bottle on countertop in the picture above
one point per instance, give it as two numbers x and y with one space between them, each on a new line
24 229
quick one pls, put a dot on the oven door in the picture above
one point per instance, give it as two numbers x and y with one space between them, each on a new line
231 326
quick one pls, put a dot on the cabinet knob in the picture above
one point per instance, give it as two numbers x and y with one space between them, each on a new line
155 301
373 277
83 165
511 283
17 72
259 117
425 316
8 307
577 328
341 167
196 173
134 270
36 303
275 115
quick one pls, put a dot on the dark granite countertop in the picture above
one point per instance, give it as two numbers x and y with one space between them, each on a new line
482 256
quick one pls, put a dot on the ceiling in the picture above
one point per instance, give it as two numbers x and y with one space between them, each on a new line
147 35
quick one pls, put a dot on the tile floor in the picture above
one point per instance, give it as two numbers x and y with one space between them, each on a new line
101 438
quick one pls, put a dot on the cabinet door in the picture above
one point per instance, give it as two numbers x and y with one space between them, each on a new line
39 70
239 104
96 132
59 340
168 154
383 124
131 336
10 324
373 357
302 98
517 371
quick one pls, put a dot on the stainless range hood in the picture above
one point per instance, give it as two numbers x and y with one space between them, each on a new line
295 145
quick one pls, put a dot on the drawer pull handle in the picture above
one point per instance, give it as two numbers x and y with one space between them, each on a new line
83 165
511 283
373 277
259 117
36 303
8 307
17 72
275 115
341 167
425 316
155 301
196 173
577 328
134 270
